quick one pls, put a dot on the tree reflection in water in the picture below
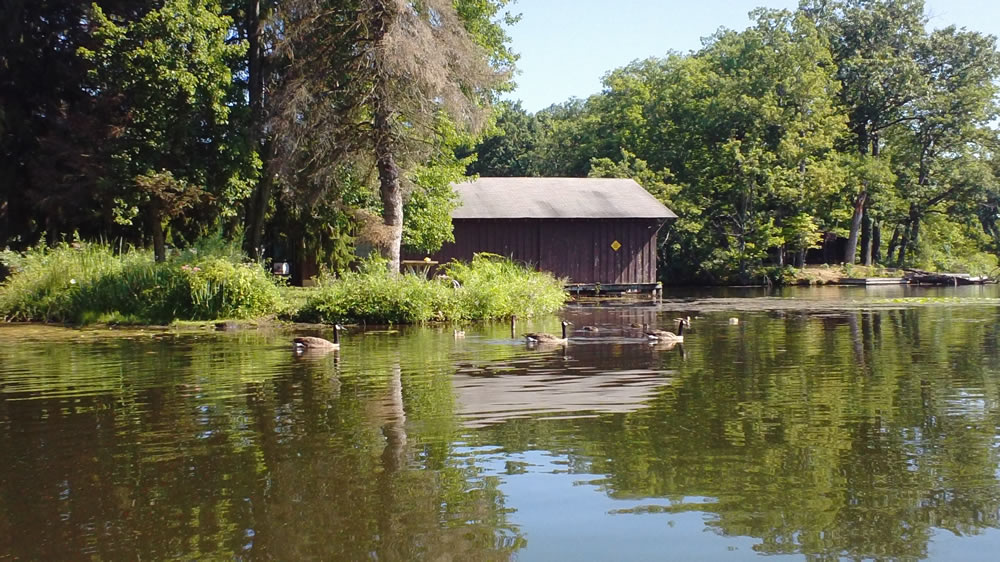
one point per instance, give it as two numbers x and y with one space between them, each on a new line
857 432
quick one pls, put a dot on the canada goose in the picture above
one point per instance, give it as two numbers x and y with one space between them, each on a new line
541 337
310 342
664 345
661 335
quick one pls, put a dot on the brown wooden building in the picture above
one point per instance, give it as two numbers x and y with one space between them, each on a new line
589 230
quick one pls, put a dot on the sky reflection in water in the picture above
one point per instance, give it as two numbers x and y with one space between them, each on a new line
826 423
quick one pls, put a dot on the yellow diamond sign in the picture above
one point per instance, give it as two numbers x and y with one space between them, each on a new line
616 245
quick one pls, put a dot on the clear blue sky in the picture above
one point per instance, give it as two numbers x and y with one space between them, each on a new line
566 46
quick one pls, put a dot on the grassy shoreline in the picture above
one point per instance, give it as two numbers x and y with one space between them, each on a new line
91 284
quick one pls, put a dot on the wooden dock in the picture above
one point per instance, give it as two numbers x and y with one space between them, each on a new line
866 281
950 279
920 277
610 289
917 277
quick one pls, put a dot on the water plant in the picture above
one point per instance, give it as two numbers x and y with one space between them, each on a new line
373 295
82 282
492 287
489 287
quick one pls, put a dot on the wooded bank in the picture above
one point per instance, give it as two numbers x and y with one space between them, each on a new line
331 129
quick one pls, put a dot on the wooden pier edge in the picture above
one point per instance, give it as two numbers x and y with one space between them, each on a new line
655 289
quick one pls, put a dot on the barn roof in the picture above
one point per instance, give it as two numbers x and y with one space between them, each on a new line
556 198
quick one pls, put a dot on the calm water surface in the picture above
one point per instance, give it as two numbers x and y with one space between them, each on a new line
827 423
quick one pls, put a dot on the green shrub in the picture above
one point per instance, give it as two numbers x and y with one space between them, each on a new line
489 287
774 275
948 247
87 282
372 295
47 284
217 288
493 287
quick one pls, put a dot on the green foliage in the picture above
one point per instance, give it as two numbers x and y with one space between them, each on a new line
493 287
506 148
429 69
136 121
490 287
84 282
953 247
44 284
374 295
178 114
764 141
774 275
801 233
486 21
219 288
427 209
657 183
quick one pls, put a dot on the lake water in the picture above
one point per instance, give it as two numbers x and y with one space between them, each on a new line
827 423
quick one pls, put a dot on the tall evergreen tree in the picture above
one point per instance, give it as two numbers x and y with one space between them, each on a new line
369 82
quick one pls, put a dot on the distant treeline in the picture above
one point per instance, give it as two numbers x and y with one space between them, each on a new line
845 123
325 128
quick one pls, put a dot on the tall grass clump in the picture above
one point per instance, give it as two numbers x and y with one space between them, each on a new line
489 287
493 287
45 284
86 282
219 288
373 295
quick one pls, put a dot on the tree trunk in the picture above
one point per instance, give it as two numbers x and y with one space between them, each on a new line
394 456
876 243
829 248
394 430
866 237
904 241
914 231
850 252
156 229
390 189
255 64
261 200
893 242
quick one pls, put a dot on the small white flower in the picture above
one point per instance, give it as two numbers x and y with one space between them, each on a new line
72 281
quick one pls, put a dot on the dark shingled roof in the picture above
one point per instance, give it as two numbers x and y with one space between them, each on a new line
557 198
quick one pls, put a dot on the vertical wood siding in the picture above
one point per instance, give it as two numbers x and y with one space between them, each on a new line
579 250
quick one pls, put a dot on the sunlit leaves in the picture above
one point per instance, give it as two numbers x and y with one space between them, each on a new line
168 75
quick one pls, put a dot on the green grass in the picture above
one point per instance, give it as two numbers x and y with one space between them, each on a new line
490 287
83 283
89 283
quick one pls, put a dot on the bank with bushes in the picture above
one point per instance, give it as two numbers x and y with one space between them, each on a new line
83 283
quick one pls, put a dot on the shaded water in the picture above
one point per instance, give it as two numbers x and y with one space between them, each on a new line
827 423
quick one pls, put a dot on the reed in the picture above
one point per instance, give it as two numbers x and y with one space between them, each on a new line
81 283
373 295
494 287
490 287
